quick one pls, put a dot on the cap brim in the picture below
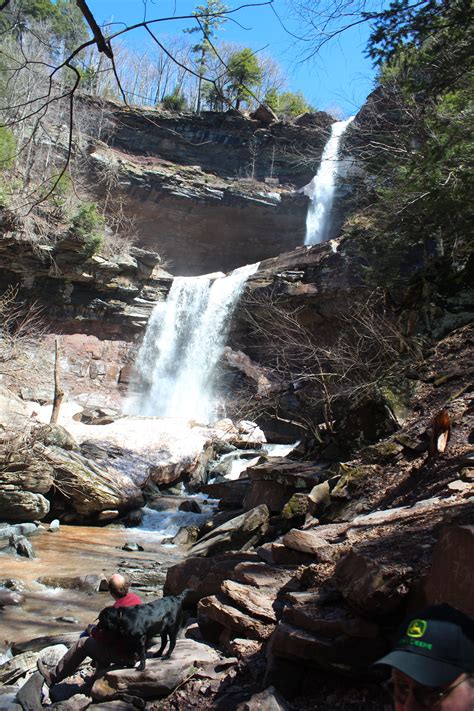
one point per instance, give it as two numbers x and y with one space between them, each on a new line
424 670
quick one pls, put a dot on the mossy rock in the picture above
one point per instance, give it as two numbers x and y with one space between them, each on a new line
352 480
297 506
381 452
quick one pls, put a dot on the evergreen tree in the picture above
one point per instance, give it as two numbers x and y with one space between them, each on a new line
244 73
211 18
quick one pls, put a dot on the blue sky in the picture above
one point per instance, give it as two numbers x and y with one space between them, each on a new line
340 77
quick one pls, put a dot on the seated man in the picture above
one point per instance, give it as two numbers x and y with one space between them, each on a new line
103 647
433 663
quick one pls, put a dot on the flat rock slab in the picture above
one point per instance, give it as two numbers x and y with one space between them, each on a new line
262 575
312 543
39 643
160 677
216 610
299 475
250 600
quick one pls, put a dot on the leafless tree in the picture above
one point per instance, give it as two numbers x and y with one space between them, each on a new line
41 89
369 350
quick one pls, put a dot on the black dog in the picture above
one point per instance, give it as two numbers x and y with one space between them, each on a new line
137 624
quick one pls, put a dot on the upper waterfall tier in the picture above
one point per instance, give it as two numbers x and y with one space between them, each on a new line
321 189
183 343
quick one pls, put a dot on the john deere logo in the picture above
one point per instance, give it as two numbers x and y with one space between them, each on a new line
417 628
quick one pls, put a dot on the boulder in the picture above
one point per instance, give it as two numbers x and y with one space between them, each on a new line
14 413
18 505
160 677
187 535
330 621
9 597
18 529
25 663
22 546
203 575
313 649
86 583
57 436
231 494
276 481
264 114
369 587
38 643
261 575
87 488
251 600
314 544
214 613
450 577
240 533
267 700
190 506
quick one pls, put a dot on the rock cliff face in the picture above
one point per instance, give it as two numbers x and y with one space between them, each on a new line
215 191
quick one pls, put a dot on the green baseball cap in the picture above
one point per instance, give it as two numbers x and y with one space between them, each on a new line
437 646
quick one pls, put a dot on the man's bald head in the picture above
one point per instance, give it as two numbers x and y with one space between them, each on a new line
118 585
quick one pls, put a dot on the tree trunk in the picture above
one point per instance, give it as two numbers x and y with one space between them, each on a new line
58 391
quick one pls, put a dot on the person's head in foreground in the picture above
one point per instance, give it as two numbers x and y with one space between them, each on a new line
433 663
118 586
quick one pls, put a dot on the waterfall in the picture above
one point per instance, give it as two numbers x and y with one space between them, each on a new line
321 189
182 346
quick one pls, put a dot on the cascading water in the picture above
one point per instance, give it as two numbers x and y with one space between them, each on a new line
321 189
182 345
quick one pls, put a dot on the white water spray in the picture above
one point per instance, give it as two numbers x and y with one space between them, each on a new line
321 189
182 345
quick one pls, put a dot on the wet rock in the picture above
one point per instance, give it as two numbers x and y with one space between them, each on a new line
133 518
17 529
187 535
68 620
267 700
132 546
86 583
369 587
450 576
9 597
239 533
160 677
191 506
214 613
22 546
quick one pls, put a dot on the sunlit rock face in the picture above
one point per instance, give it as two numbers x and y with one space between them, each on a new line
212 192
